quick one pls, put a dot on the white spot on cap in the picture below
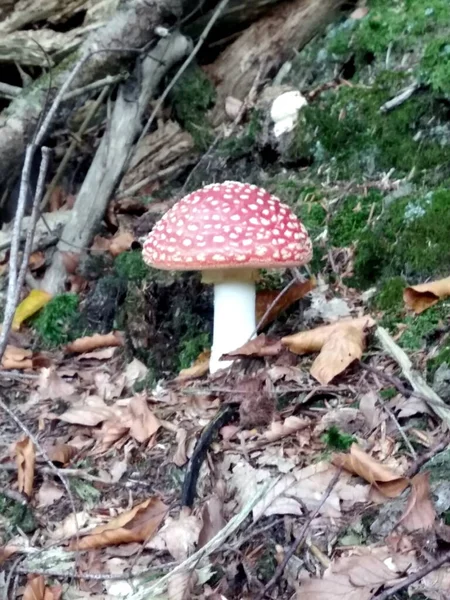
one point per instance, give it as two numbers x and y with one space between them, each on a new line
187 242
219 239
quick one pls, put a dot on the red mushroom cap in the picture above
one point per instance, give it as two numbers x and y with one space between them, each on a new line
227 225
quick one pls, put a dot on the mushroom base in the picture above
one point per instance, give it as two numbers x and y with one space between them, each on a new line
234 319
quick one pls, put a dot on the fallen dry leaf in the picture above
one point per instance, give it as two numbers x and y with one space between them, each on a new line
120 243
37 590
144 424
264 299
198 369
343 347
136 525
306 342
353 578
36 260
179 536
382 478
259 346
135 371
17 358
232 107
181 585
420 514
279 430
90 411
25 460
6 552
51 386
48 494
71 260
88 343
212 519
62 454
423 296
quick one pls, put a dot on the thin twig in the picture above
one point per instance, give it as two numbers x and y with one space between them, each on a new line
183 68
299 539
422 460
432 566
95 576
107 81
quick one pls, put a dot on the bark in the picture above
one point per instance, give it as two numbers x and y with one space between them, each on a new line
111 156
266 45
132 27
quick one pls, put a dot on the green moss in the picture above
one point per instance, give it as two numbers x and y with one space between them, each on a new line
131 267
410 238
13 515
438 466
435 65
85 491
423 325
351 219
388 393
390 295
336 439
59 321
191 97
190 348
346 130
443 357
238 146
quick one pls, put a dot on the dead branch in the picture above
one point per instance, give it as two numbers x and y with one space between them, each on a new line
109 48
110 159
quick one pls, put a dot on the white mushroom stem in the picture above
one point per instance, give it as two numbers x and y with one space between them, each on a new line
234 311
234 319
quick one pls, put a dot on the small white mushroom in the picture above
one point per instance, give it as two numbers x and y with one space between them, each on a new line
284 111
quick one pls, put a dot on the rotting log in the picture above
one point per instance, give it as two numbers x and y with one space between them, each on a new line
266 45
131 27
112 155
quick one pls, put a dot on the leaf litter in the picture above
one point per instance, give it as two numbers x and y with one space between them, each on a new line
95 423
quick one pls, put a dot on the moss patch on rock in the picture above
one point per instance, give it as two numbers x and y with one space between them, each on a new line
191 98
409 239
345 129
59 322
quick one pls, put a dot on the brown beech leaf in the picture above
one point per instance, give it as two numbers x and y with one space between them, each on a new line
198 369
48 494
143 424
342 347
17 358
121 242
88 343
382 478
423 296
259 346
6 552
279 430
420 514
306 342
264 299
25 460
36 589
62 453
36 260
136 525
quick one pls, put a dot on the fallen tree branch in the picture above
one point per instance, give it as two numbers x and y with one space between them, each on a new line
122 38
111 156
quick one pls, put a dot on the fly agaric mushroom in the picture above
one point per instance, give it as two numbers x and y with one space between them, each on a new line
228 231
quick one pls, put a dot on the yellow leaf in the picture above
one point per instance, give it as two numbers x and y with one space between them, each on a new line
35 300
